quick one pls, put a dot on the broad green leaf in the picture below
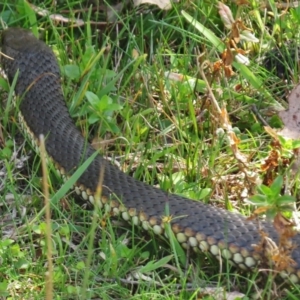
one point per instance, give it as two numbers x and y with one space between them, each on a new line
72 71
271 213
263 189
3 289
295 144
277 185
285 199
205 31
259 200
254 81
80 265
92 98
93 118
22 264
204 192
11 94
287 208
6 242
114 107
124 251
31 15
73 179
154 265
15 250
104 103
4 84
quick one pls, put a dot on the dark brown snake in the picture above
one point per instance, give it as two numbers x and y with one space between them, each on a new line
43 110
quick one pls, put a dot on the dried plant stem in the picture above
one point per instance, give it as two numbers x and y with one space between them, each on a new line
97 197
48 233
241 158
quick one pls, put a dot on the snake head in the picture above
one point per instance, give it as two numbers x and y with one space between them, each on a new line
17 39
22 51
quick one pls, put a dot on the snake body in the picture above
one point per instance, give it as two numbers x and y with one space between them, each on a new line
43 110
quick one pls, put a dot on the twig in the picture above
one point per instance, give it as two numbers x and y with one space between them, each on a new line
61 18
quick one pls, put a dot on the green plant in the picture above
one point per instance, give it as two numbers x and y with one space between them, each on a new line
270 201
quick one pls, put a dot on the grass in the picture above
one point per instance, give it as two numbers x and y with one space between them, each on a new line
158 130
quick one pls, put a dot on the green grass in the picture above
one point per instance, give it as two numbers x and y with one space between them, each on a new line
160 131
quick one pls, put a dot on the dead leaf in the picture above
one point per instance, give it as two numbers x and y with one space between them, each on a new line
226 15
219 294
271 162
227 55
261 210
271 132
135 54
175 76
291 116
284 226
162 4
235 33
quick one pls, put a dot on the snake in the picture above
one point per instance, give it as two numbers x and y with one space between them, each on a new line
42 110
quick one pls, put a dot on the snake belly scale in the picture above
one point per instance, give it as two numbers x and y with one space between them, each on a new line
43 110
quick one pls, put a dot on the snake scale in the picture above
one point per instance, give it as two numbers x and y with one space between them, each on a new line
42 110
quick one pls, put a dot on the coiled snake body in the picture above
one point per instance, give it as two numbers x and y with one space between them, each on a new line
43 111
